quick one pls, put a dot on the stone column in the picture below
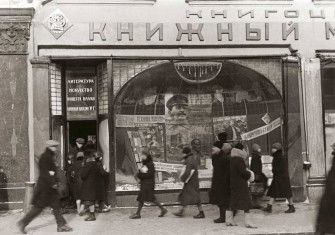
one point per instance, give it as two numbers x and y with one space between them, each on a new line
41 109
14 145
314 127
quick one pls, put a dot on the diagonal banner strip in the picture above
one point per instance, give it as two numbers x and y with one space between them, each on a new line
262 130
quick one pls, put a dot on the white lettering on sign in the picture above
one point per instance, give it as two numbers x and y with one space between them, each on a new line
262 130
80 90
83 81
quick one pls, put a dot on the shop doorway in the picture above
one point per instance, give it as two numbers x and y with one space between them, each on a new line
82 129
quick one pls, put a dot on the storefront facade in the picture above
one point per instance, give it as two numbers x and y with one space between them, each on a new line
135 75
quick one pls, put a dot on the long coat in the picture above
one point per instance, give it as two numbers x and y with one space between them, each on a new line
240 198
90 175
326 217
256 167
147 183
280 185
74 178
219 193
101 186
190 193
45 193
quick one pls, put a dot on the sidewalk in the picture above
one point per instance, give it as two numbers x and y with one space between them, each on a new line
117 222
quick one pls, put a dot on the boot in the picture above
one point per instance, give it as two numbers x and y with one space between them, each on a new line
64 228
135 216
21 227
201 215
222 217
163 212
291 209
268 208
91 217
230 218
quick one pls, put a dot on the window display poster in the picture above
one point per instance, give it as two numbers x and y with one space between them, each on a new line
234 126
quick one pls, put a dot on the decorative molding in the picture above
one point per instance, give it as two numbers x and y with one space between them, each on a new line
40 62
14 37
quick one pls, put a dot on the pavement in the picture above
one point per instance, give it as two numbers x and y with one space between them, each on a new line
117 222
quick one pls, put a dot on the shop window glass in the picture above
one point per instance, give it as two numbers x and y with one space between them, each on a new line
55 89
328 92
159 111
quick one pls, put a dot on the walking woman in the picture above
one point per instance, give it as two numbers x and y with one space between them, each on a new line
240 198
280 186
326 217
146 175
190 194
45 193
220 190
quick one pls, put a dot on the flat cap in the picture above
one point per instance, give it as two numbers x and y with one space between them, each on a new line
277 146
177 99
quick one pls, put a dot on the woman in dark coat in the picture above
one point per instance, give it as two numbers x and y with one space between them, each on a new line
190 194
74 178
146 175
256 166
219 193
102 186
280 186
45 193
240 198
90 174
326 217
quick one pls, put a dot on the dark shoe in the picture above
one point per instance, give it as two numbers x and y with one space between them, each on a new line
135 216
219 220
163 212
257 207
268 208
201 215
291 209
91 217
21 227
64 228
81 213
179 214
106 209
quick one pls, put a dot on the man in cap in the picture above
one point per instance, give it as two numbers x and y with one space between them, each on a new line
46 194
177 106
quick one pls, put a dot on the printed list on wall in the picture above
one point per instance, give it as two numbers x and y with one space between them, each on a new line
81 94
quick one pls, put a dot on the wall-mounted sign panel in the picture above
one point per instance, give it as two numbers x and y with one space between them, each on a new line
81 94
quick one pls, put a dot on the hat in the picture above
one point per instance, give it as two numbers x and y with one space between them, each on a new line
177 99
222 136
226 147
80 141
80 154
51 143
277 146
255 147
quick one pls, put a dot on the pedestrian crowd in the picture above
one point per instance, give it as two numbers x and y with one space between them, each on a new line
236 187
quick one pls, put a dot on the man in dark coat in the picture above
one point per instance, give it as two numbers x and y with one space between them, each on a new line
102 185
90 174
45 193
280 186
260 182
326 217
240 198
146 175
220 190
190 194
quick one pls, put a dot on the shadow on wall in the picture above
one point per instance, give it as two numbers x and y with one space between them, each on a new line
3 190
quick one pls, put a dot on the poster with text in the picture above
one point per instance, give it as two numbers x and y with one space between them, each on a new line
234 126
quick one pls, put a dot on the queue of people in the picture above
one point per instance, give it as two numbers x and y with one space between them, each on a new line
229 191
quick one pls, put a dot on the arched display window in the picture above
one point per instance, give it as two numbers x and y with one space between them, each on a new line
163 108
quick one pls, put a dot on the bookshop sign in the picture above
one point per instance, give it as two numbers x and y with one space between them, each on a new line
80 95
